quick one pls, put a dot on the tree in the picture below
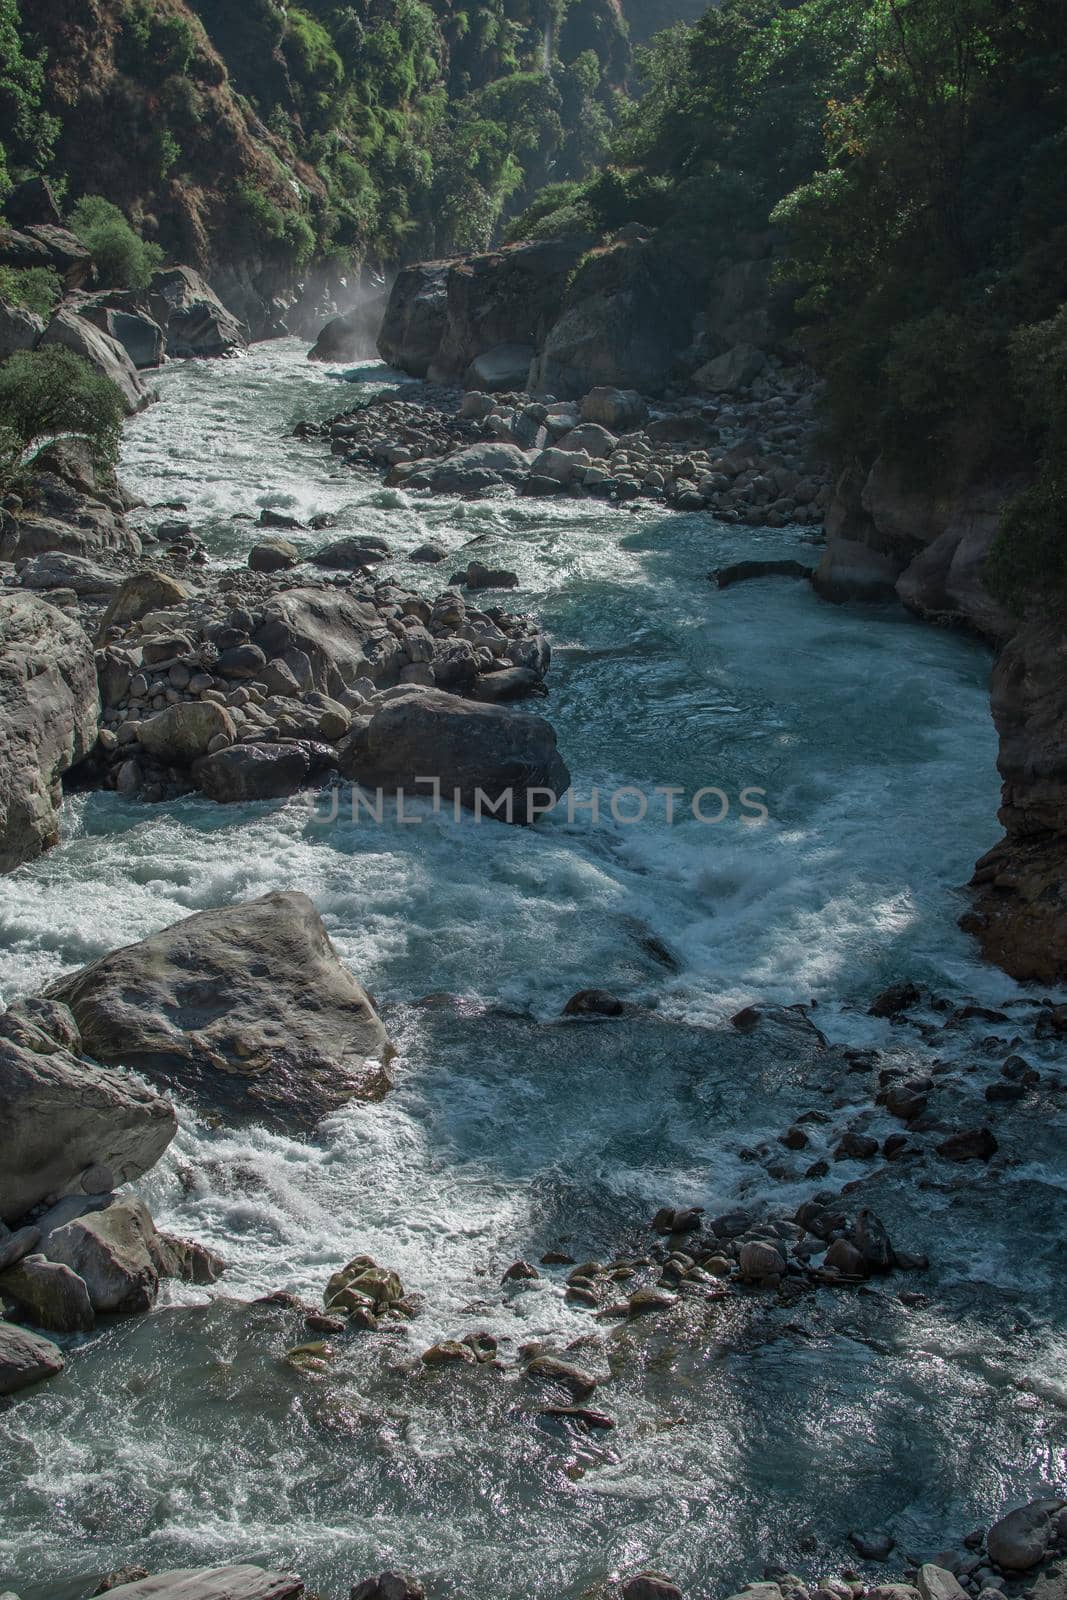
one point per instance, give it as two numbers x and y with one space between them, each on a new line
50 392
123 260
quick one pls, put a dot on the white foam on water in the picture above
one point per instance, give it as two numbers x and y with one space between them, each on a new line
871 736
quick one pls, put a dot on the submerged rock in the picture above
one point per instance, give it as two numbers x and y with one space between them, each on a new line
213 1583
248 1006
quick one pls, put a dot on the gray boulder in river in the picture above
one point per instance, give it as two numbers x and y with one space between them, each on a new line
48 713
467 746
248 1007
63 1119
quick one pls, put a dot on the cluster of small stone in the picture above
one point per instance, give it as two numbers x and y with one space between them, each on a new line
184 675
746 460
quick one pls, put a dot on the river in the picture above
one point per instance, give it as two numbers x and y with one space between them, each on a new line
758 1437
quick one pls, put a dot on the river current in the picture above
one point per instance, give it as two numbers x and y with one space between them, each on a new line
761 1436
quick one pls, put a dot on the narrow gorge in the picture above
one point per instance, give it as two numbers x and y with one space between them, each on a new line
526 1070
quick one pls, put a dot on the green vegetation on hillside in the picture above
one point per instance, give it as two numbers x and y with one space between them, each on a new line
123 260
52 392
910 157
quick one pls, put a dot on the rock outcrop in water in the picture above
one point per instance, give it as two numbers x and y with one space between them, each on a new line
48 714
65 1120
248 1008
1020 912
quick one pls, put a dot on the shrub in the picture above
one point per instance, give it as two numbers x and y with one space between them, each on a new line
50 392
36 288
123 260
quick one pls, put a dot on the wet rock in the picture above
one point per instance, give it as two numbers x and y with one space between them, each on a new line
969 1144
844 1258
562 1374
273 555
760 1262
582 1415
478 576
121 1575
870 1239
500 762
856 1147
350 554
49 703
61 1117
937 1583
593 1003
252 772
294 1036
899 997
388 1586
649 1586
110 1241
25 1358
49 1295
873 1545
1020 1540
677 1219
428 554
520 1272
450 1352
745 571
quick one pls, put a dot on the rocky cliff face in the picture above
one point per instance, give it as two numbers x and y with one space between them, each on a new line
928 546
1020 912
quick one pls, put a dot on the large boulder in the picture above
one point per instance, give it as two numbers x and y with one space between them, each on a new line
350 337
63 1119
102 352
616 409
48 714
628 310
48 1294
182 733
19 329
248 1007
212 1583
252 772
67 256
477 467
415 317
31 202
505 366
194 318
59 569
505 298
732 372
145 591
491 756
327 639
25 1358
111 1242
139 335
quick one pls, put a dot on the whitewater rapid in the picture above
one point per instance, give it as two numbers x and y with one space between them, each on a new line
174 1439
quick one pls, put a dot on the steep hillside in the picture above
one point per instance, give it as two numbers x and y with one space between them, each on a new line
253 136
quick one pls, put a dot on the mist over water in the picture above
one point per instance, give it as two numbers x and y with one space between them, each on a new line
181 1438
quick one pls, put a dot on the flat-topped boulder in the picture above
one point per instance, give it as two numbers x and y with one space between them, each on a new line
501 762
248 1007
213 1583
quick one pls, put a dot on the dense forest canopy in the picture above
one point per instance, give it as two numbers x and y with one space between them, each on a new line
910 159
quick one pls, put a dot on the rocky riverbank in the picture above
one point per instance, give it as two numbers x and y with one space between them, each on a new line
749 459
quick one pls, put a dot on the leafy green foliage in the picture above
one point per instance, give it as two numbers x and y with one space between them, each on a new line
156 45
50 392
36 288
27 133
121 257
